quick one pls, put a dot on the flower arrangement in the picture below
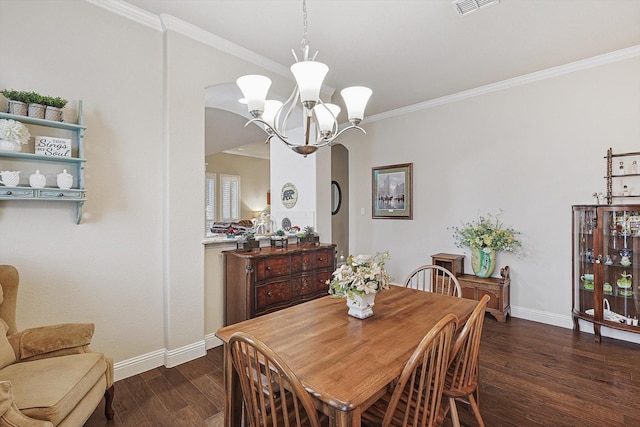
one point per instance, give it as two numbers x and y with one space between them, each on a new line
487 233
14 131
362 274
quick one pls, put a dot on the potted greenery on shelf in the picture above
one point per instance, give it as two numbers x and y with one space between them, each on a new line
17 101
308 236
36 108
53 108
279 240
247 242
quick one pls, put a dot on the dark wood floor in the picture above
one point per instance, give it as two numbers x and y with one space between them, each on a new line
531 375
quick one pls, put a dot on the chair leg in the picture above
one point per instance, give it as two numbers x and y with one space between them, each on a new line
454 412
476 410
108 402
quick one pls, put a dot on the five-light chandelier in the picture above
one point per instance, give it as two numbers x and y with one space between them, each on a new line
309 75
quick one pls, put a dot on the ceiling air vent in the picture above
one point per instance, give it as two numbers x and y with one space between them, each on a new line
467 6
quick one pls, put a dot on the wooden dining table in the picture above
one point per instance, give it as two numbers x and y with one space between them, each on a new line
345 363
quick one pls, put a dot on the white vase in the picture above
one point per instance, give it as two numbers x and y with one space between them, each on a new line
361 307
6 145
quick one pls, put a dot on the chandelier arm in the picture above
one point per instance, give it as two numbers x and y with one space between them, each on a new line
290 102
330 140
273 133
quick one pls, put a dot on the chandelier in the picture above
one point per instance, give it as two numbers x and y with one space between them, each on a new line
309 75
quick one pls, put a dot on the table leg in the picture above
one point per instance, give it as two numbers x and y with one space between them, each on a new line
233 394
345 419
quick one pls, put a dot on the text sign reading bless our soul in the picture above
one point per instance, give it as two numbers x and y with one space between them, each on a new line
53 147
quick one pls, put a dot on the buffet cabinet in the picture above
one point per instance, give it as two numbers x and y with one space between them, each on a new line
606 266
269 279
473 287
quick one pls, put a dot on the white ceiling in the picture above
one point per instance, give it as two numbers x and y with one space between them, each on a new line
412 51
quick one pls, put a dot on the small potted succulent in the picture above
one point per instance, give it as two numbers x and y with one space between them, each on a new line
279 239
36 107
53 108
308 236
247 242
17 101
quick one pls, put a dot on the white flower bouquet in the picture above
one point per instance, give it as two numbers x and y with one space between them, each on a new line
14 131
362 274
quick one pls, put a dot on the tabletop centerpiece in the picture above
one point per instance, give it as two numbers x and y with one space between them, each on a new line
359 280
484 236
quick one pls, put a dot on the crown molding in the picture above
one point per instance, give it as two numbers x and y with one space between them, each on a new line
596 61
129 11
165 22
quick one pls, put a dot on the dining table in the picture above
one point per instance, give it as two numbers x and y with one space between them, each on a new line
345 363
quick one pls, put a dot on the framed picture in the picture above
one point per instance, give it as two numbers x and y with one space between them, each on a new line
392 191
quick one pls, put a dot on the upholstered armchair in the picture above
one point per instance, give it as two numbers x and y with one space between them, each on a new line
48 375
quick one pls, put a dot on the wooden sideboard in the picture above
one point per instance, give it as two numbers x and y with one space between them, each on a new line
270 279
473 287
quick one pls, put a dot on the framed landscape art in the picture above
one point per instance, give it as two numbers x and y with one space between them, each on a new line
392 191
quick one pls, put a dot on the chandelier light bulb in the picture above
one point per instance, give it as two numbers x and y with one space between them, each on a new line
254 87
356 98
326 115
309 76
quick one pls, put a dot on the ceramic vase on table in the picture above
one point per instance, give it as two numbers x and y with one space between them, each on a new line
483 262
361 307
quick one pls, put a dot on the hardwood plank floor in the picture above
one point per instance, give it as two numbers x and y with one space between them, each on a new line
531 375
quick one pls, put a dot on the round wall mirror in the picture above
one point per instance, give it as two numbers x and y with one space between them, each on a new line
336 197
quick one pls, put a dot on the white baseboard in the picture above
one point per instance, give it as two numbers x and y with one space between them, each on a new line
566 321
169 358
146 362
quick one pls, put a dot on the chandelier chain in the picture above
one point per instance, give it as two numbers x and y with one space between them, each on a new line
305 40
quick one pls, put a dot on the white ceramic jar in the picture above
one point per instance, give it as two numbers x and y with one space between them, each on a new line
37 180
64 180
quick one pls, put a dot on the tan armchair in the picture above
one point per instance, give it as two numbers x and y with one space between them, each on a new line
48 375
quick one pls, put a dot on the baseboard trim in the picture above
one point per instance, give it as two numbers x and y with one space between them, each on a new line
169 358
212 341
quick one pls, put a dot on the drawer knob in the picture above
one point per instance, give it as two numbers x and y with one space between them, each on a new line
320 259
268 268
9 193
60 194
269 294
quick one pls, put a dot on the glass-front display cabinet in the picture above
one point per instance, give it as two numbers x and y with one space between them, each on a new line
606 266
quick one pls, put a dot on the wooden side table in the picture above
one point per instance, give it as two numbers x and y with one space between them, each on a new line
473 287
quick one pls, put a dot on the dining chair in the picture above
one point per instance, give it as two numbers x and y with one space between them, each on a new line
461 382
416 396
434 278
272 394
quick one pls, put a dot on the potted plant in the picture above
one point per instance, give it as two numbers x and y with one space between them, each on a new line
17 101
13 135
53 108
36 108
279 239
359 280
247 242
484 236
308 236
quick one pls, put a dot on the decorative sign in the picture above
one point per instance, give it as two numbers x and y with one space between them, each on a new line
289 195
53 147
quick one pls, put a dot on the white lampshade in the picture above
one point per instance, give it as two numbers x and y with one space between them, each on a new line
309 76
254 88
356 98
325 114
271 108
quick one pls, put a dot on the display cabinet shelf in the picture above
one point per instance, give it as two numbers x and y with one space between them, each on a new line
606 267
28 163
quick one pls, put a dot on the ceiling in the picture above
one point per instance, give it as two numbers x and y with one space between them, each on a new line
412 51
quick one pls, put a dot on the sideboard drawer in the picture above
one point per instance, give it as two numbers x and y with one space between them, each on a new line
267 268
315 284
272 295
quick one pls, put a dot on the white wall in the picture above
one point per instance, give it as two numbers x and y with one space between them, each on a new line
531 150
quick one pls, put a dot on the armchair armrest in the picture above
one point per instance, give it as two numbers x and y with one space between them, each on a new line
10 415
54 340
